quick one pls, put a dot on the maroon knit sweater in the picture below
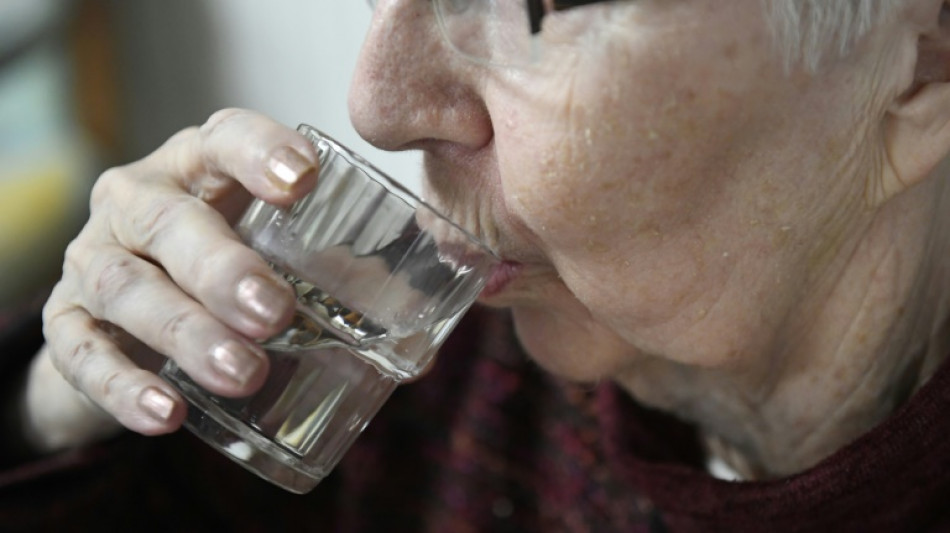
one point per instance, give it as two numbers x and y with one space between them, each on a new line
488 442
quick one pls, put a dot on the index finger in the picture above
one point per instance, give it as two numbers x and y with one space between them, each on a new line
270 160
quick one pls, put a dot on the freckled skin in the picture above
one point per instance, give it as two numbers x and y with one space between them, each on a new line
655 213
692 218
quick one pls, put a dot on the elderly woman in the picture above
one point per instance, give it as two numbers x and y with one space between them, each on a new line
726 222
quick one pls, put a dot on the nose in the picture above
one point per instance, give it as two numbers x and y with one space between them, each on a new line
410 89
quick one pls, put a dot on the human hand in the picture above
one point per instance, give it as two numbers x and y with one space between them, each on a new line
52 415
158 269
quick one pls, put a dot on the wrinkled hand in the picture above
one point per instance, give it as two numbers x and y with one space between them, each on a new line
157 268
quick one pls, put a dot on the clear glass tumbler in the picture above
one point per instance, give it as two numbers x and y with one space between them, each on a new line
381 279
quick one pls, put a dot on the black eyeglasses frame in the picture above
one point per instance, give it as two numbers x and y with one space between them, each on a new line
537 11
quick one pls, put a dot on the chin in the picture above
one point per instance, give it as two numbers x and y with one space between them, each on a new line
569 346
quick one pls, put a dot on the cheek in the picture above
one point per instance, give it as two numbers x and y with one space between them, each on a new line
638 134
630 187
609 166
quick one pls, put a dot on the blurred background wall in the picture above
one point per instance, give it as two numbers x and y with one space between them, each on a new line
86 84
292 59
47 160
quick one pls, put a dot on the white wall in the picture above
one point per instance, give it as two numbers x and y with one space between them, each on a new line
291 59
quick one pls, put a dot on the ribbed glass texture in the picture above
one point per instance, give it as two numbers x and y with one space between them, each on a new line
368 242
381 279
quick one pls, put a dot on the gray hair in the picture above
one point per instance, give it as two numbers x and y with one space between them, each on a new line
810 31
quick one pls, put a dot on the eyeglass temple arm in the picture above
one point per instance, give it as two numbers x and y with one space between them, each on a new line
536 10
535 14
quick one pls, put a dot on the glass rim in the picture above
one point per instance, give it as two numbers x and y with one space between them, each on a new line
375 174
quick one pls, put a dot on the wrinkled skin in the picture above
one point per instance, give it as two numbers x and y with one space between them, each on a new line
684 215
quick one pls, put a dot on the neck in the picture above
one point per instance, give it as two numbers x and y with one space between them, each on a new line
868 338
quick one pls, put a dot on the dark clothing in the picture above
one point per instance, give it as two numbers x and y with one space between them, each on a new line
489 442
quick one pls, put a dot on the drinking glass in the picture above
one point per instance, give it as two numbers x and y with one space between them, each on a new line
381 279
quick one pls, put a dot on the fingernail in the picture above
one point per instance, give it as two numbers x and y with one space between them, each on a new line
262 297
157 404
236 361
286 166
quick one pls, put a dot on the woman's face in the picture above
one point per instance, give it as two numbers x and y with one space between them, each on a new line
663 189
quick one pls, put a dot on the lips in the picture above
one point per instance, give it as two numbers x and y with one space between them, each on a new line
501 276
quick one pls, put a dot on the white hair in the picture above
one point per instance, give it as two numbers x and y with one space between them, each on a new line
809 31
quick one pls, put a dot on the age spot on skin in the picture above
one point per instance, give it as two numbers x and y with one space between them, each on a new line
176 324
81 350
115 277
79 356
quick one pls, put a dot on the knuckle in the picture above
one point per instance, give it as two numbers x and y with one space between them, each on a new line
183 135
76 366
151 223
171 155
110 385
172 329
118 275
219 118
89 244
73 256
85 367
55 306
225 256
105 186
